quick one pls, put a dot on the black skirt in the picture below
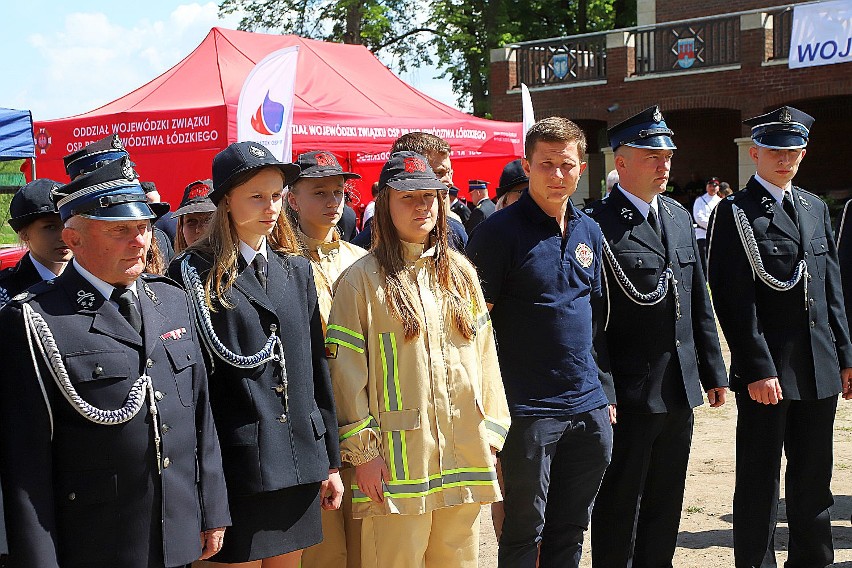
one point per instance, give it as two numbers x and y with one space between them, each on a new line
272 523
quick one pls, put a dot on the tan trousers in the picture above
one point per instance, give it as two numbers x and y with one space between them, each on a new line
444 538
341 534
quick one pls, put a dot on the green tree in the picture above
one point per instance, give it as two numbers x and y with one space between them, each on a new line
462 33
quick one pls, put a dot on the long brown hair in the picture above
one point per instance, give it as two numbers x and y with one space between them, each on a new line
180 240
455 275
222 244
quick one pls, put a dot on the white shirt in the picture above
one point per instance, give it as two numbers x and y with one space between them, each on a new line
701 210
43 271
249 253
368 212
774 190
640 204
105 289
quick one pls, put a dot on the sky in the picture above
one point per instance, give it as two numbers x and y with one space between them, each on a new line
65 57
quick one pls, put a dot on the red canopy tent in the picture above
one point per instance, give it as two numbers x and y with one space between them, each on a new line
347 102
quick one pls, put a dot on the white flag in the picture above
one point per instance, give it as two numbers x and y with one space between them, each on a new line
527 109
265 108
822 34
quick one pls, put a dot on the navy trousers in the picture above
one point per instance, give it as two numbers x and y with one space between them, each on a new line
552 469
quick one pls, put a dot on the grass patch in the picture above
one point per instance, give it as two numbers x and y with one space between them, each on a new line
694 509
7 235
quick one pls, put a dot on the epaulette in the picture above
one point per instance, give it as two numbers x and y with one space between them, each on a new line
33 291
594 208
7 273
737 195
797 188
147 277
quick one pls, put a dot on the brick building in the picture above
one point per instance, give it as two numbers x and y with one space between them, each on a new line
709 65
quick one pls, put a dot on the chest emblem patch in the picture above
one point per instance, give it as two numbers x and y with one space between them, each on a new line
584 255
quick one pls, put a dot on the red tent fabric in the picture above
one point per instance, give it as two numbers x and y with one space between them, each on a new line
347 102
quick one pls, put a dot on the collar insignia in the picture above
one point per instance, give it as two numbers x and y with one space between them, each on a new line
626 214
805 203
85 299
666 207
150 293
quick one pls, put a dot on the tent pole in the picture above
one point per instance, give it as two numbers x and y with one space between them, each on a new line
32 161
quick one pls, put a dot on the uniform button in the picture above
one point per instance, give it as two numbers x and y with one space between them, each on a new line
72 496
810 277
813 324
165 428
774 249
158 395
279 389
188 357
806 254
677 342
282 419
639 262
822 247
149 363
166 462
811 301
99 370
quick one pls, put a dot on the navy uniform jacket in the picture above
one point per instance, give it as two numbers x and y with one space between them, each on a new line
18 278
803 342
92 496
844 255
260 452
658 362
478 214
461 209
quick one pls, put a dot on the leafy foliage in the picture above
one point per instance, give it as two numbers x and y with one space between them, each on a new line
461 33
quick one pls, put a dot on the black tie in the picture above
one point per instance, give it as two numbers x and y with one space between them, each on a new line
259 264
127 307
655 223
790 208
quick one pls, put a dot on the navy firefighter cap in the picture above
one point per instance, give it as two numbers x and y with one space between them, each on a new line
320 163
786 128
110 193
644 130
241 157
94 155
513 174
31 202
409 171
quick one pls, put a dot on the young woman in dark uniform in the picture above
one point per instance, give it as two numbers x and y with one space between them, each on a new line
34 217
269 384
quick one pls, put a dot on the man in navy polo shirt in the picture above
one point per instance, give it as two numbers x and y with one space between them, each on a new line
540 262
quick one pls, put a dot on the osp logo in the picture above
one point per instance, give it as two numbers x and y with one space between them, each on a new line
269 117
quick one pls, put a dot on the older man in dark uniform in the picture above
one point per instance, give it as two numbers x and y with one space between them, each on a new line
776 285
109 452
663 349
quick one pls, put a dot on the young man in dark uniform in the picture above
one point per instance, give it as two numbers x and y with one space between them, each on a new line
481 206
109 452
776 286
663 349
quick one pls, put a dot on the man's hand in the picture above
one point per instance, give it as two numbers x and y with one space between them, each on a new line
369 477
494 458
846 381
331 491
211 542
612 414
716 396
766 391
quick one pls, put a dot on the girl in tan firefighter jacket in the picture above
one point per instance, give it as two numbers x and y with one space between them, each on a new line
420 401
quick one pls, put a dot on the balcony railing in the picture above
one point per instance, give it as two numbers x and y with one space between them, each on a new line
561 61
709 42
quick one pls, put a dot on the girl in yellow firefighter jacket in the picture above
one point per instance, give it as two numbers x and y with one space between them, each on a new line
420 401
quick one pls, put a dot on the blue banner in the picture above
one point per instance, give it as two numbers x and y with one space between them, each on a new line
16 134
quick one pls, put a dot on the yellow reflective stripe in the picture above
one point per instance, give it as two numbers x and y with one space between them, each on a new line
369 422
408 489
393 401
345 337
344 344
498 429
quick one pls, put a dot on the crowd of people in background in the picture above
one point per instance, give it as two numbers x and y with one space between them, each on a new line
251 380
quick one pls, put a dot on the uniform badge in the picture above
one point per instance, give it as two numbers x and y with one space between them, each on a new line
174 334
767 203
584 255
85 299
626 214
257 151
588 210
116 144
127 170
658 116
20 297
785 115
331 350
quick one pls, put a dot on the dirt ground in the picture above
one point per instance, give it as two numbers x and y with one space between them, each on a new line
705 537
